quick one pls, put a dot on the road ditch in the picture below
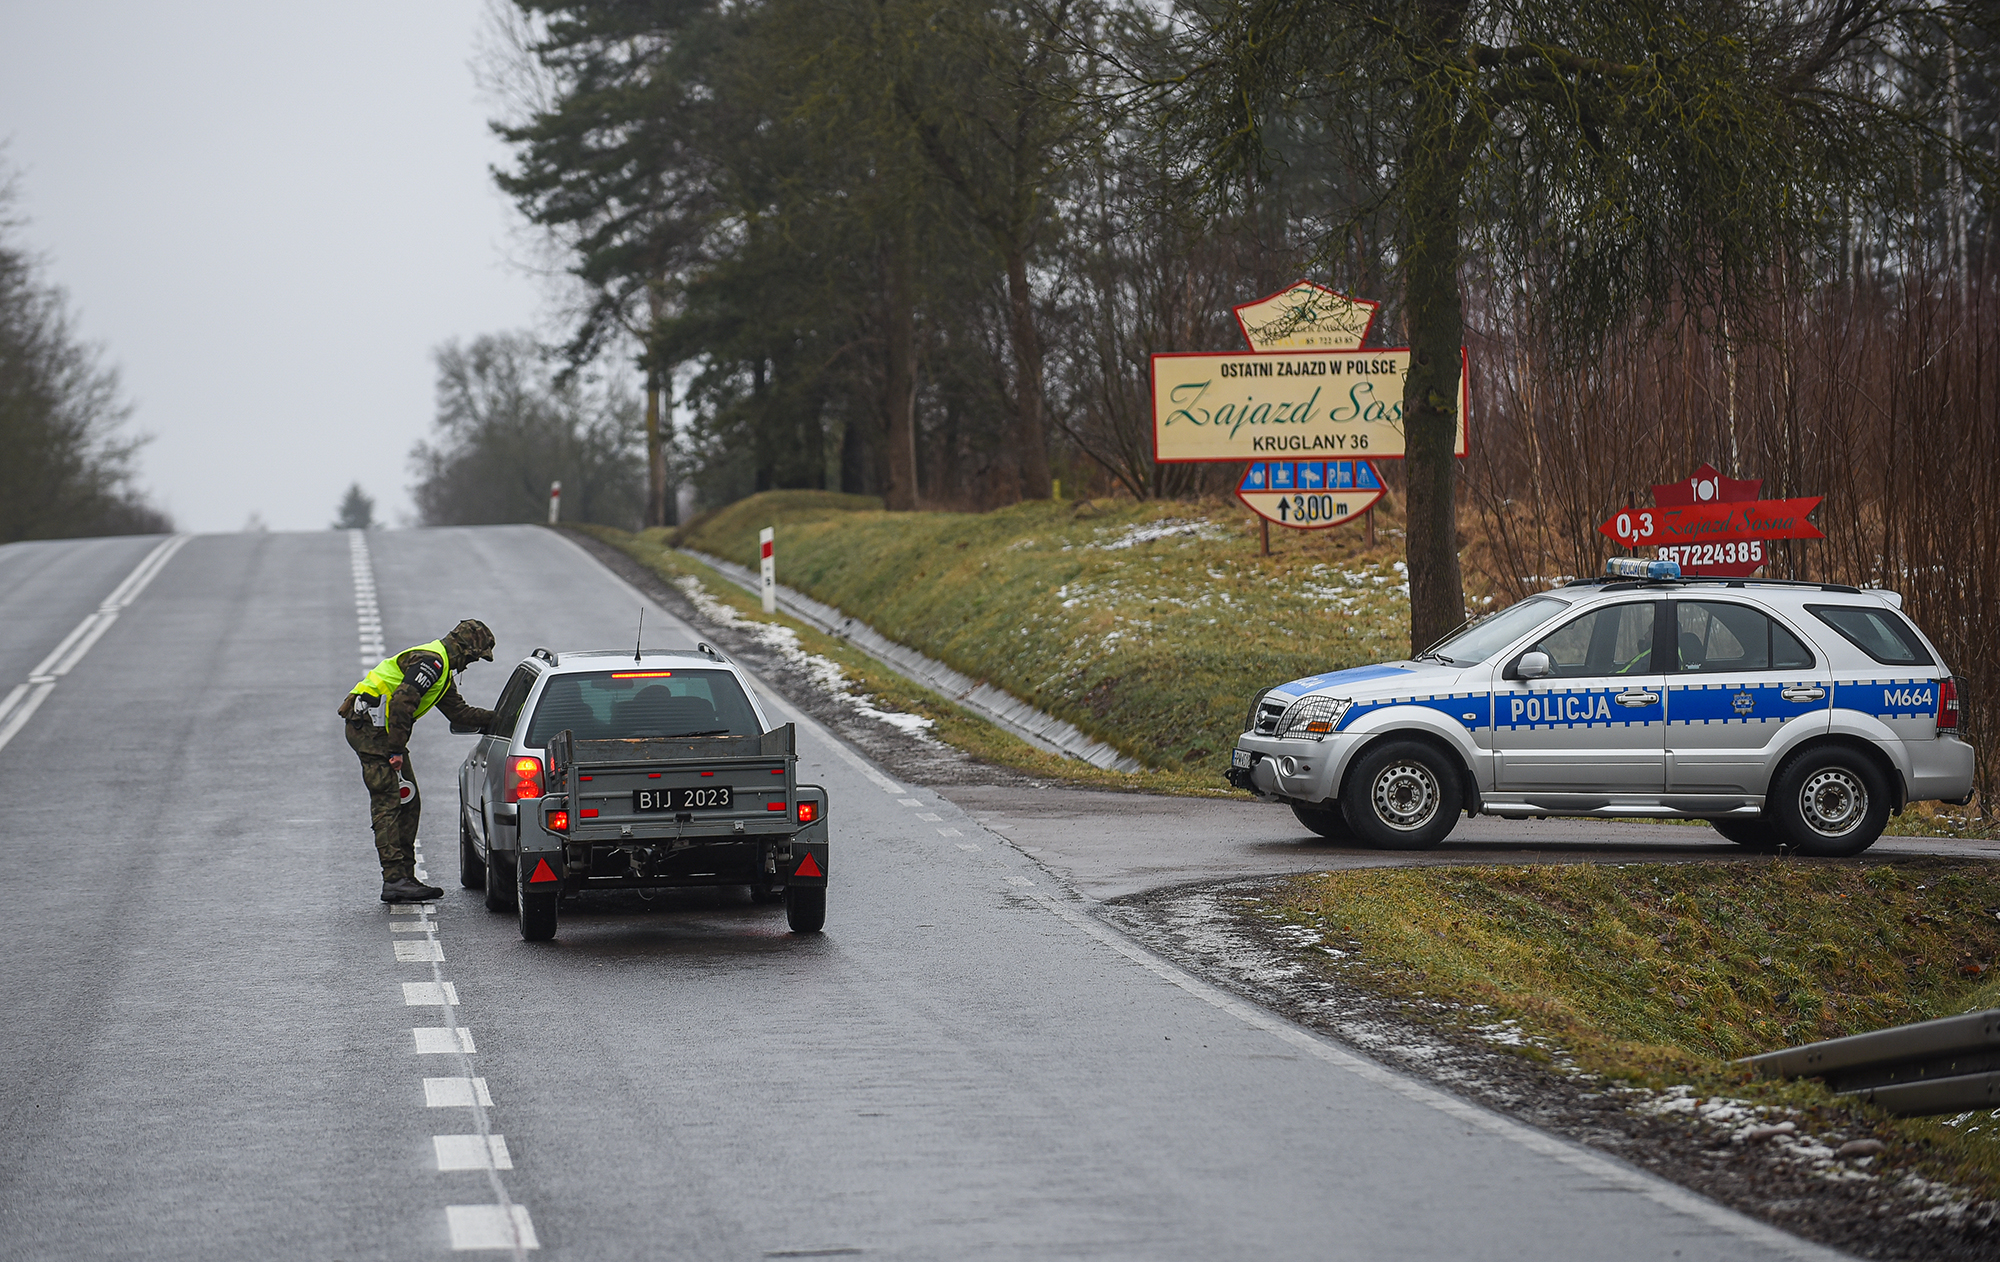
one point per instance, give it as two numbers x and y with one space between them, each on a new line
1605 1003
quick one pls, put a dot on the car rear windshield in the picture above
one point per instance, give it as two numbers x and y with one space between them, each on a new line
1881 633
620 704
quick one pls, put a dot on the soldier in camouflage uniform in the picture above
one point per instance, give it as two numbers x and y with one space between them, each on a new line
380 711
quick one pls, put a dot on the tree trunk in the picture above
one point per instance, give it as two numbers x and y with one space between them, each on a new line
1031 428
1435 314
656 456
899 392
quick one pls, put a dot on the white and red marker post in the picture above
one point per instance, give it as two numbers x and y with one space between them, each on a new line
768 570
555 502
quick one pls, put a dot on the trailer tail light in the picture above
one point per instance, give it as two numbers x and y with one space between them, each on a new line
774 806
1947 720
808 812
524 779
558 821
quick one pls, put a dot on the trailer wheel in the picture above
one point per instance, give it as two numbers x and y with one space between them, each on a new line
538 910
471 868
805 908
499 883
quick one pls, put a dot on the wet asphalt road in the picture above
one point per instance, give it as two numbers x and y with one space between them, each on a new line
213 1055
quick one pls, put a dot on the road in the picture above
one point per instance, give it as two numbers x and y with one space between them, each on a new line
214 1045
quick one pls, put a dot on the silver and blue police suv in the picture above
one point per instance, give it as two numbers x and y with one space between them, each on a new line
1785 713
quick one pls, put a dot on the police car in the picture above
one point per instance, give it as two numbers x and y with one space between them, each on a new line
1784 713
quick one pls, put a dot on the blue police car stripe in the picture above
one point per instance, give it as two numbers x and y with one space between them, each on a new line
1572 707
1471 710
1738 703
1359 674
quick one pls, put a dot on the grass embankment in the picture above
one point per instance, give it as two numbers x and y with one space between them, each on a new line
1662 974
868 682
1149 626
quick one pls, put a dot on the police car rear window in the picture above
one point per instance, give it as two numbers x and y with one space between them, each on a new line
1880 633
621 705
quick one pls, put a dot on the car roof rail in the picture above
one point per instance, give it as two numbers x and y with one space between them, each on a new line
1613 583
547 655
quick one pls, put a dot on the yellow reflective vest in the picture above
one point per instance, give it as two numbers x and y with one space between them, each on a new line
388 676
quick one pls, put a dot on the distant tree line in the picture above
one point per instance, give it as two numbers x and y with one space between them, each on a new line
65 455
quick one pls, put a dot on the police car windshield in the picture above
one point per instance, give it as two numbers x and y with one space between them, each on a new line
1482 639
644 701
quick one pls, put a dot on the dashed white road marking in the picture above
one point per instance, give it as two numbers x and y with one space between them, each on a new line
412 909
488 1227
428 950
435 1039
24 699
929 817
413 926
455 1093
909 802
952 832
422 994
472 1152
367 612
966 845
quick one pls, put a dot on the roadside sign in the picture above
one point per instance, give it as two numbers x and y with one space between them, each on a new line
1309 494
1305 317
1713 526
1287 404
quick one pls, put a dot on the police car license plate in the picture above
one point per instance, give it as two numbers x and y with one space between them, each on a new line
679 799
1239 757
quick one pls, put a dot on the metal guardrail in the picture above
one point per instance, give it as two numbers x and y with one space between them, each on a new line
1950 1065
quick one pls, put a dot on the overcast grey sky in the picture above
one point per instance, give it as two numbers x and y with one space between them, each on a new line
268 214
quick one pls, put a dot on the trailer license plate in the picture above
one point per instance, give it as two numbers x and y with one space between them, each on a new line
679 799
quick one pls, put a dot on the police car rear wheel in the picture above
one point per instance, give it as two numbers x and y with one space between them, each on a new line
1402 796
1327 821
499 884
471 868
1830 803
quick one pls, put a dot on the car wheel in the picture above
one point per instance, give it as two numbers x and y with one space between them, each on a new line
1402 795
1327 821
499 883
805 908
471 868
1830 803
537 910
1759 836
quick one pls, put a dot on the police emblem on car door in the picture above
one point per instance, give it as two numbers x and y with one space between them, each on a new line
1592 725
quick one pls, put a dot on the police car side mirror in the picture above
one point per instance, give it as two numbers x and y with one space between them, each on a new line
1533 666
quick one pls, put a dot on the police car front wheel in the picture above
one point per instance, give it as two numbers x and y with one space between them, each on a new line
1402 795
1830 802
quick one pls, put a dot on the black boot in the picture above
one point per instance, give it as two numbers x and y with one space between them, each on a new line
408 889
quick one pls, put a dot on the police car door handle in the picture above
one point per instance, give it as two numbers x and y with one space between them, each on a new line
1638 697
1803 694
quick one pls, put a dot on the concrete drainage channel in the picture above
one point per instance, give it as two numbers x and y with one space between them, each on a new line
1043 731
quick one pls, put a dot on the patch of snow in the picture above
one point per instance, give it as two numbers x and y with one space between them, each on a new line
1148 532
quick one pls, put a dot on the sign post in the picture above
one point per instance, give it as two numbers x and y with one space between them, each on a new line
767 570
555 502
1712 526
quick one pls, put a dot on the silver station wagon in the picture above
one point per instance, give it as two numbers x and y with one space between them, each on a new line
1785 713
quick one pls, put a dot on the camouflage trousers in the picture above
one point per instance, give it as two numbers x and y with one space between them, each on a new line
395 824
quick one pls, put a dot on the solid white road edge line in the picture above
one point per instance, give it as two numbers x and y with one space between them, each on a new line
1668 1195
64 657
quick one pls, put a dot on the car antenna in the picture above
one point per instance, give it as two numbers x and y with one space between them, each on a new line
642 633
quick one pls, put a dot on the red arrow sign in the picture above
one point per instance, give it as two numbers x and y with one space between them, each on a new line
1708 523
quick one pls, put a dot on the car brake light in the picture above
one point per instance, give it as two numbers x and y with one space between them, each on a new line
558 821
524 779
1947 718
808 812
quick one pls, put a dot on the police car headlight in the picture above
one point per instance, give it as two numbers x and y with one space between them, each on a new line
1313 718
